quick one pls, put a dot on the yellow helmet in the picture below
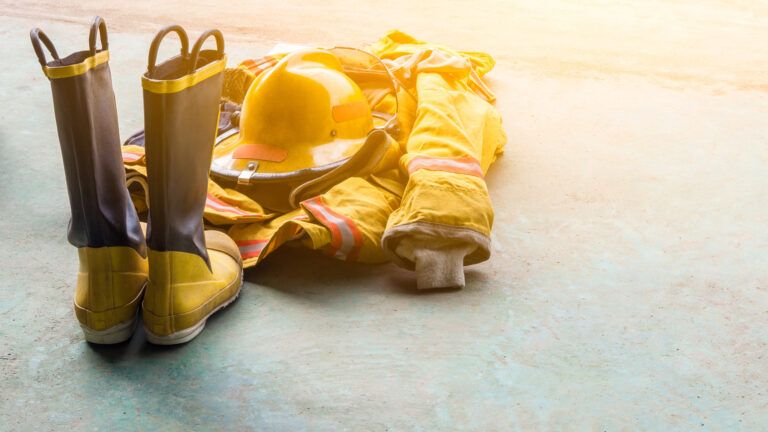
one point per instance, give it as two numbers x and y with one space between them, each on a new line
301 120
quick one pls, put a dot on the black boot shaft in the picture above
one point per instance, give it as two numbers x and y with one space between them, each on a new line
181 114
86 117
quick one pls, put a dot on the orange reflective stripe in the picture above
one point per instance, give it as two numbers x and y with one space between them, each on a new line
214 204
260 248
251 248
131 157
258 66
349 111
262 152
463 165
346 239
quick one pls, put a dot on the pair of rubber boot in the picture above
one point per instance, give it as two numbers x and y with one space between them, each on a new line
180 273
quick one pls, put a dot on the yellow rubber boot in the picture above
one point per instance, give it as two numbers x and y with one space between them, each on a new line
192 272
183 292
104 225
110 284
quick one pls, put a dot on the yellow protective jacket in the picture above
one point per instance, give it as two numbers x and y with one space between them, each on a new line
426 206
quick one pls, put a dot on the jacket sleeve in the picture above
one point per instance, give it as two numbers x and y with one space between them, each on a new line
346 222
445 217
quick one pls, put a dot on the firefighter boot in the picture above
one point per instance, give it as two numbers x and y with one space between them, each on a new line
104 225
192 272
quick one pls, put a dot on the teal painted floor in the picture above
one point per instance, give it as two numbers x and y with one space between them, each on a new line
628 288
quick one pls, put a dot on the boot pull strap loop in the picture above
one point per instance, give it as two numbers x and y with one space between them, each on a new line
199 44
37 36
159 38
100 26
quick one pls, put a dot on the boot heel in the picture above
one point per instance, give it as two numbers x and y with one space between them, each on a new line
188 334
110 287
114 335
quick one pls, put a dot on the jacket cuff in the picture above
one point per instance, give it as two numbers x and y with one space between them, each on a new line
441 267
437 253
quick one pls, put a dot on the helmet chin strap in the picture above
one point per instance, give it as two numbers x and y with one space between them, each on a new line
361 163
391 125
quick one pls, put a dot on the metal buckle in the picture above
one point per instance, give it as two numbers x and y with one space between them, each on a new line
245 175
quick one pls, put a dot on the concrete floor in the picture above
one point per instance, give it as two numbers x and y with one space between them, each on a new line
628 288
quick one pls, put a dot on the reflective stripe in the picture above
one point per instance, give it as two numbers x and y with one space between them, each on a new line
55 72
131 157
251 248
345 237
259 65
350 111
260 248
267 64
179 84
213 203
462 165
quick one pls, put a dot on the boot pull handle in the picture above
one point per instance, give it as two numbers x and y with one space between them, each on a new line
37 36
100 26
159 38
199 44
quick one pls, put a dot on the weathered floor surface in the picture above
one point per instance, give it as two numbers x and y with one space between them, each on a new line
628 288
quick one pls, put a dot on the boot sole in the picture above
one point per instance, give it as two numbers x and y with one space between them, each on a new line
186 335
113 335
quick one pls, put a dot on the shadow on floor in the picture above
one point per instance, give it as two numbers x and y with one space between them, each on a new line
298 271
305 274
